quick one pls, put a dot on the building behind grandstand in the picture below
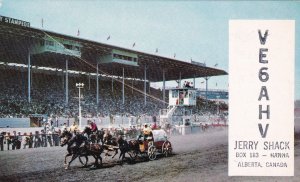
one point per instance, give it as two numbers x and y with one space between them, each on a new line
213 94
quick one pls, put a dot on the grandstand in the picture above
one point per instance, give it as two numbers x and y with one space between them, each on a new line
39 70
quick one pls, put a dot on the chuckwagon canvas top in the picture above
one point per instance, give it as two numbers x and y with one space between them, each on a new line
159 135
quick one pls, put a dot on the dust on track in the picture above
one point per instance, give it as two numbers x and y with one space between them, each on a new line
201 157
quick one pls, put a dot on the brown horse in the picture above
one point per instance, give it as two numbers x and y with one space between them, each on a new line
73 149
81 149
123 146
110 144
131 147
95 150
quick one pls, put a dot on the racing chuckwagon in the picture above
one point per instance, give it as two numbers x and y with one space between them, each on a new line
156 143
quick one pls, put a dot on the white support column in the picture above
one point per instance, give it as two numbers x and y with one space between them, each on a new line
29 78
112 84
97 85
67 82
164 87
79 97
89 81
179 84
123 90
194 81
132 86
206 90
145 85
79 86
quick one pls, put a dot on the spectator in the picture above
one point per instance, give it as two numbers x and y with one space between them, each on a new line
44 138
1 140
37 140
18 146
55 138
25 140
58 134
14 140
64 127
56 120
30 142
49 135
8 139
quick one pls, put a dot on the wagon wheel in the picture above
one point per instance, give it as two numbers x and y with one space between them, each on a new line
83 159
167 148
152 153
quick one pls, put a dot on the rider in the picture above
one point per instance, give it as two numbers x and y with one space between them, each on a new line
74 128
94 131
93 126
147 131
148 136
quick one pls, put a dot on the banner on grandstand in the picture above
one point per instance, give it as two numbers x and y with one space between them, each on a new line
261 97
5 19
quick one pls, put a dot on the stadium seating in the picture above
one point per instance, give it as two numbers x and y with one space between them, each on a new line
48 96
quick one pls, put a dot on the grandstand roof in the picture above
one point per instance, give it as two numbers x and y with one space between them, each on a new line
15 41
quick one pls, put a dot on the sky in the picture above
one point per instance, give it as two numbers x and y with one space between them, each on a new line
196 30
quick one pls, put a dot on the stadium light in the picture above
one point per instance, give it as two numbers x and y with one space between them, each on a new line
79 86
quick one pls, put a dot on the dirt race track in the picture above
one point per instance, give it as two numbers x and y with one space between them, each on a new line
201 157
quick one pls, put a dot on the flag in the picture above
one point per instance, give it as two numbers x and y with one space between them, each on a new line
216 64
78 33
133 45
108 37
42 22
156 50
174 55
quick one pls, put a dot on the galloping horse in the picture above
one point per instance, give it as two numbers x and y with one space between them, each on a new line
86 150
73 143
123 146
108 145
131 147
95 150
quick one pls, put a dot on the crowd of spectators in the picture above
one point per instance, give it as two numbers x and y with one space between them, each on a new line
48 136
210 106
48 97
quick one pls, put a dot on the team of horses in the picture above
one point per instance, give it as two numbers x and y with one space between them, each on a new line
87 143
